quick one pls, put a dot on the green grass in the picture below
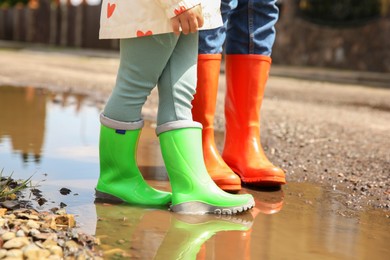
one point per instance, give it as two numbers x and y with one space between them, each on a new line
10 187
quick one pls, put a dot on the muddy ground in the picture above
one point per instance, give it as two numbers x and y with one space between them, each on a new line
316 129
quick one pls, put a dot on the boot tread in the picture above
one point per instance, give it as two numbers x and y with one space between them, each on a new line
201 208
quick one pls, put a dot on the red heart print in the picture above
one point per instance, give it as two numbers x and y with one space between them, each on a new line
110 9
180 10
141 33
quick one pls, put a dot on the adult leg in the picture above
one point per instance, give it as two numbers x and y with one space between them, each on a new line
247 67
204 103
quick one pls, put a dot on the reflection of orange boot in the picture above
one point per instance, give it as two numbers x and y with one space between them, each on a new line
203 111
230 245
246 77
266 203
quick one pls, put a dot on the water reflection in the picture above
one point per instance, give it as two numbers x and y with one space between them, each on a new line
23 121
52 128
302 221
52 136
134 232
23 115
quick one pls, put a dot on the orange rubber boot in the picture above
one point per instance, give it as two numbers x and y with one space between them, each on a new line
246 77
203 111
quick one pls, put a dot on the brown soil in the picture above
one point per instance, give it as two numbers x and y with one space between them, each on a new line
333 134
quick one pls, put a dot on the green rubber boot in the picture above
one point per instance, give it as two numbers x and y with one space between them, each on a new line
194 231
193 190
120 178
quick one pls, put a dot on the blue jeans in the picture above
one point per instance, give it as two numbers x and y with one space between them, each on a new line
249 28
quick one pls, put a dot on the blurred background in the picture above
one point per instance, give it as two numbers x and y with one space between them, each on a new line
339 34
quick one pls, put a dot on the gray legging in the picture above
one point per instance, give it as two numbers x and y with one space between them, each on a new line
165 60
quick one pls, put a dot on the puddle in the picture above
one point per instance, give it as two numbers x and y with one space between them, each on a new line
54 137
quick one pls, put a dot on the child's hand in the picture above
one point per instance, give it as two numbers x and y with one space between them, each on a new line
189 21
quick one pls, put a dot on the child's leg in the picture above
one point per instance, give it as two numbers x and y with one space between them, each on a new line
142 61
178 81
193 191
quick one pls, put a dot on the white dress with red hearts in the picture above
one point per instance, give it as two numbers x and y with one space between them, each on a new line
137 18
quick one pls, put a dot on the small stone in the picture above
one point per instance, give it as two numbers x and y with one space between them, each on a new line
33 224
64 221
27 216
3 253
56 250
36 192
10 204
20 233
61 242
11 216
2 211
14 254
32 251
25 229
41 201
61 211
45 236
17 242
8 235
34 232
50 242
65 191
72 246
55 257
54 210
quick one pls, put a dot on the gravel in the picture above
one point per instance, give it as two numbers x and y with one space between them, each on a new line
330 134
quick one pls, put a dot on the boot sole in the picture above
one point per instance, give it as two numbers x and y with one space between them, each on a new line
102 196
267 181
264 181
200 208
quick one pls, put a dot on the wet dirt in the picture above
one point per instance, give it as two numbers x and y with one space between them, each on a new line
54 137
325 129
301 222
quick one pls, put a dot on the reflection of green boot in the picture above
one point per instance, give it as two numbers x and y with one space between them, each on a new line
194 231
193 190
120 178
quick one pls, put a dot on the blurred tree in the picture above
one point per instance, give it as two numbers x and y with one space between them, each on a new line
340 12
5 3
